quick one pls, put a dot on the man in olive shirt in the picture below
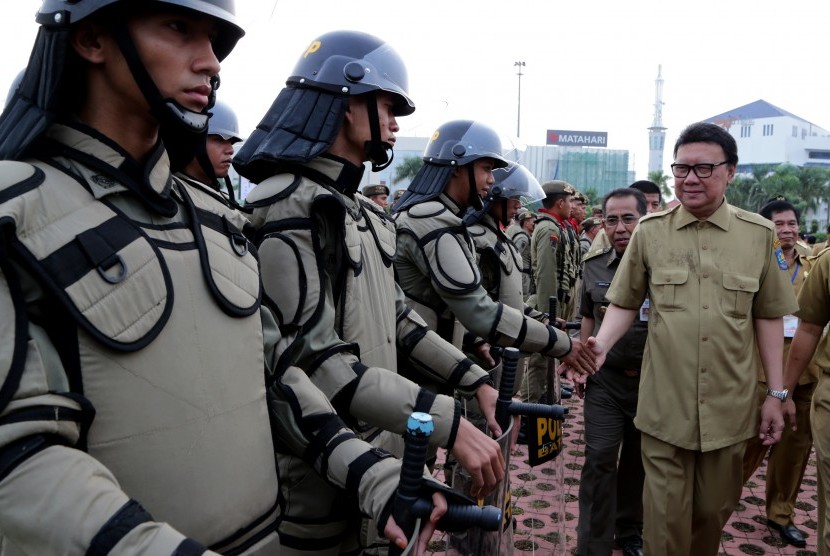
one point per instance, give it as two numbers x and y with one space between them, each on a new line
611 485
787 459
814 315
549 260
717 298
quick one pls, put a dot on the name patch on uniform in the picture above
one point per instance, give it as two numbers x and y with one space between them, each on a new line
603 284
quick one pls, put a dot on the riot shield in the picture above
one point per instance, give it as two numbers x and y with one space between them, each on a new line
475 541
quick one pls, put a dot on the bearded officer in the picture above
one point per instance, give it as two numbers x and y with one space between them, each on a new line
121 403
336 249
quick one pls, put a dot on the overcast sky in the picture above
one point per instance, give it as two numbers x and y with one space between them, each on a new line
589 65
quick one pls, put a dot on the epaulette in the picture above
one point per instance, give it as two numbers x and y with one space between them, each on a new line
819 254
659 213
753 217
594 253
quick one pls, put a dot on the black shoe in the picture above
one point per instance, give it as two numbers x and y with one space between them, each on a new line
631 546
790 533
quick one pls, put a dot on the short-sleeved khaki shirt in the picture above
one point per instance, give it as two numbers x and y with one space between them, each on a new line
814 303
707 281
797 273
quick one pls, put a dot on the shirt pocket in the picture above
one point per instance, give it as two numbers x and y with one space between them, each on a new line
666 288
738 292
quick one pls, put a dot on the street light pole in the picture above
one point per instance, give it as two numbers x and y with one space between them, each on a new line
520 65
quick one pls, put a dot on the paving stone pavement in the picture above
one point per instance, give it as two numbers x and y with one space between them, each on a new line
537 505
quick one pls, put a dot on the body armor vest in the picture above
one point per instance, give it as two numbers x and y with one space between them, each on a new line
446 244
500 263
180 418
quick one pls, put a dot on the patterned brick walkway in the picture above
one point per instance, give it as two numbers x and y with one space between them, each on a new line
537 505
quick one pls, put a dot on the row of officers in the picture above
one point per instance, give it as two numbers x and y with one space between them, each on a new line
183 375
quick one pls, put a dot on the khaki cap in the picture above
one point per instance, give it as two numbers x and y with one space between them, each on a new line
558 186
370 190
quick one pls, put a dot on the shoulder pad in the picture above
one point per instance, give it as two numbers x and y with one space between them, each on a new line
21 174
273 188
594 253
477 230
429 209
659 214
754 218
817 255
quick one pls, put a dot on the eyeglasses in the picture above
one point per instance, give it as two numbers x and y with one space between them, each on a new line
627 219
700 170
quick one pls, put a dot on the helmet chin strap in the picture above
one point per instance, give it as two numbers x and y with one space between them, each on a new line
474 214
474 200
380 152
181 129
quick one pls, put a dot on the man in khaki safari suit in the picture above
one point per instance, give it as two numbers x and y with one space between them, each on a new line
717 298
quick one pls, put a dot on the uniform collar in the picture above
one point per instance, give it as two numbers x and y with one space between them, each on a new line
454 207
720 218
334 171
107 168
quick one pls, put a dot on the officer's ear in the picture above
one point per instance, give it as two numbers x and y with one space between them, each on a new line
92 41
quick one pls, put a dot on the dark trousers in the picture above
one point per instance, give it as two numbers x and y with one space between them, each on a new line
611 486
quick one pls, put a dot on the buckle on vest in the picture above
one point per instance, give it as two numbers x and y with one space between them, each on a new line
107 265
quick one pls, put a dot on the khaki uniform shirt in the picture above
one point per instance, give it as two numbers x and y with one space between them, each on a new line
814 303
549 259
707 281
599 271
797 273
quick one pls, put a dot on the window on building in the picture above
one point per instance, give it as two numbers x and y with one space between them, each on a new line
746 130
767 131
795 131
821 155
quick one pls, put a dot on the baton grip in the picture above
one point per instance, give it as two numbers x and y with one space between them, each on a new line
551 411
509 361
419 428
460 517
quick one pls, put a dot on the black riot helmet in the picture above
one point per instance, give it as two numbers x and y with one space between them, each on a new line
49 77
454 144
307 114
513 181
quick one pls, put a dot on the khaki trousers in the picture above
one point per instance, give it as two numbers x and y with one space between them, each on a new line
688 496
820 418
787 459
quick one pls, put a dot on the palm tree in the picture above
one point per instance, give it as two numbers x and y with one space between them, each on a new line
662 181
407 169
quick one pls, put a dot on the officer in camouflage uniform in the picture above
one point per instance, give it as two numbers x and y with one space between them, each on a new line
327 255
519 233
436 265
128 425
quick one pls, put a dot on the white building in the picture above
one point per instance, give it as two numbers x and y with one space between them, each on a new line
768 135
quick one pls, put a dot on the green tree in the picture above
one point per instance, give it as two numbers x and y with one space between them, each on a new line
662 181
407 169
593 196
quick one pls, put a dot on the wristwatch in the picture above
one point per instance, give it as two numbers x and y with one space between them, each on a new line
780 394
